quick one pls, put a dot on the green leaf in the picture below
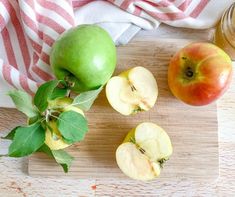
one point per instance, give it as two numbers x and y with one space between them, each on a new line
43 93
23 102
85 100
67 141
58 93
44 148
27 140
10 135
61 157
72 126
34 119
48 91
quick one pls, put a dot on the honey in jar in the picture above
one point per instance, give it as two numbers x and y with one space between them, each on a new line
225 32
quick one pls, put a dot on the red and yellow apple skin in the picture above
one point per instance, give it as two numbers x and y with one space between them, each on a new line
199 73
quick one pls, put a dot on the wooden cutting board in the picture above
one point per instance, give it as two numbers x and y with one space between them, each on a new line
193 130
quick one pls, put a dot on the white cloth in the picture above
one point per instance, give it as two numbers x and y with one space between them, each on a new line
123 25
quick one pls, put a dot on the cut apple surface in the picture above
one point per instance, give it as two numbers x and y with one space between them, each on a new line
132 91
143 152
154 140
133 163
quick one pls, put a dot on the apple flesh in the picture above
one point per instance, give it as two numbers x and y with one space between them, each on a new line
199 73
143 152
53 137
132 91
85 56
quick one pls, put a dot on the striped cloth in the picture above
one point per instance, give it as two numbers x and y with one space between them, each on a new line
29 28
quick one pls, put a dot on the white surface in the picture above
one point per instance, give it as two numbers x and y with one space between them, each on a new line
14 180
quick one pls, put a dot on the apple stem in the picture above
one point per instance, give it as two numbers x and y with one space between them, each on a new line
61 85
56 117
69 83
47 113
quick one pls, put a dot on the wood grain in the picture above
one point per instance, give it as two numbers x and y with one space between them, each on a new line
14 179
193 132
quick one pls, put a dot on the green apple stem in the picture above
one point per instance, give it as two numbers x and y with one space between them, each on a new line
62 85
49 113
56 117
69 83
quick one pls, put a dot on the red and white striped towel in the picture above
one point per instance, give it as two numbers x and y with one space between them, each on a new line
29 28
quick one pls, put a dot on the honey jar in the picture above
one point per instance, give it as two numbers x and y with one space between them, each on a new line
225 32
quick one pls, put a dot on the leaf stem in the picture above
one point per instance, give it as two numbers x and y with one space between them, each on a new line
81 102
55 116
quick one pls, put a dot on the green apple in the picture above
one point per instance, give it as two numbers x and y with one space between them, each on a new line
143 152
53 138
85 56
64 104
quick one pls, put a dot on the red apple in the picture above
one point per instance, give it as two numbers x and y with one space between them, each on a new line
199 73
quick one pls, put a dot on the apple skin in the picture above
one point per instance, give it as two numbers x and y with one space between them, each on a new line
64 104
85 56
199 73
54 140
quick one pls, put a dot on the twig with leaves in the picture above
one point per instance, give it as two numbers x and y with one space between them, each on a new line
72 125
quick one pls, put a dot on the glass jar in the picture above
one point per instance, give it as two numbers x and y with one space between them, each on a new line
225 32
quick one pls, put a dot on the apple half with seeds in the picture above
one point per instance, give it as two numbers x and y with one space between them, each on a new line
144 151
132 91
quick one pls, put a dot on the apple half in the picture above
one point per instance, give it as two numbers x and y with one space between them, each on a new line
132 91
143 152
